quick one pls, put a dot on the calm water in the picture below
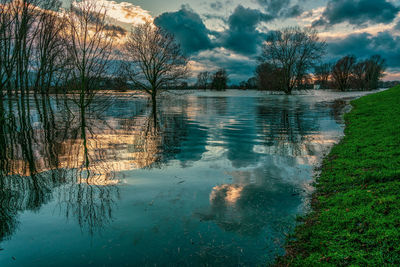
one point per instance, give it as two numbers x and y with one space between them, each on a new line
210 179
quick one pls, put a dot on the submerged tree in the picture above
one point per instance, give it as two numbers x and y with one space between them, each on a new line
367 73
269 77
342 72
322 74
49 57
294 51
375 67
220 80
89 46
203 80
155 60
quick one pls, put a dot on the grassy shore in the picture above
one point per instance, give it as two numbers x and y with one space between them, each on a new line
356 207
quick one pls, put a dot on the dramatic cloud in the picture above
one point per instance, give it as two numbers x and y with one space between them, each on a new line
397 27
357 12
274 6
188 28
125 12
239 67
218 5
242 36
281 8
364 45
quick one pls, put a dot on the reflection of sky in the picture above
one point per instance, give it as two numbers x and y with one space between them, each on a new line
232 173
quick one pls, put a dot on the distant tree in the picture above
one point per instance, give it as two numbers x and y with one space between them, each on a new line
322 74
183 86
252 83
342 72
203 80
269 77
243 85
358 77
374 71
220 80
155 60
293 51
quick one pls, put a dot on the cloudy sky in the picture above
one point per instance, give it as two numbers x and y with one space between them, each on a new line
229 33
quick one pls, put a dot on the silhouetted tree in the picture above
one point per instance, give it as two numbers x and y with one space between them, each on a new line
342 72
155 60
375 67
269 77
203 80
294 51
322 74
49 58
220 80
89 46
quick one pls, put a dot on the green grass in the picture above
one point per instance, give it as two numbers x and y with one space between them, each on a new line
356 207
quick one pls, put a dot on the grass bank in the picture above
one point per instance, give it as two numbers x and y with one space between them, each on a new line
356 206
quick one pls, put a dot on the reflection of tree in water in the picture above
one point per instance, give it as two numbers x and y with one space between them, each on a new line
164 136
266 196
22 157
55 147
337 108
288 128
33 144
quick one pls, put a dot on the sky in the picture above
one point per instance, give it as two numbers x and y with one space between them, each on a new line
230 33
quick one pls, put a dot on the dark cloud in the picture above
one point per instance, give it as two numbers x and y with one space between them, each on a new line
188 28
364 45
357 12
274 6
116 30
242 35
217 6
238 68
293 11
281 8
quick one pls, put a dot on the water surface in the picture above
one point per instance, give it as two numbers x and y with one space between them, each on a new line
209 179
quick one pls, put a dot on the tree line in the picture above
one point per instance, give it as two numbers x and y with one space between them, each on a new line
45 48
215 81
291 60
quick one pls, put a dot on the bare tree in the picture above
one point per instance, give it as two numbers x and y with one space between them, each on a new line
268 77
49 50
294 51
322 74
17 36
357 79
89 47
342 72
155 60
29 44
203 80
7 51
374 71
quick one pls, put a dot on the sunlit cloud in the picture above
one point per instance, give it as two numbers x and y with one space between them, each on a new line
125 12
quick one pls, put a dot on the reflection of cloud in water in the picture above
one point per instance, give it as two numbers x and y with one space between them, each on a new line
231 194
256 201
248 209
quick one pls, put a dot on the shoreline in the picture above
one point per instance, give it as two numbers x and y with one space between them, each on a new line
354 213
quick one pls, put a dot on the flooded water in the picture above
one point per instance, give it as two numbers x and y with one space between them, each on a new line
209 179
